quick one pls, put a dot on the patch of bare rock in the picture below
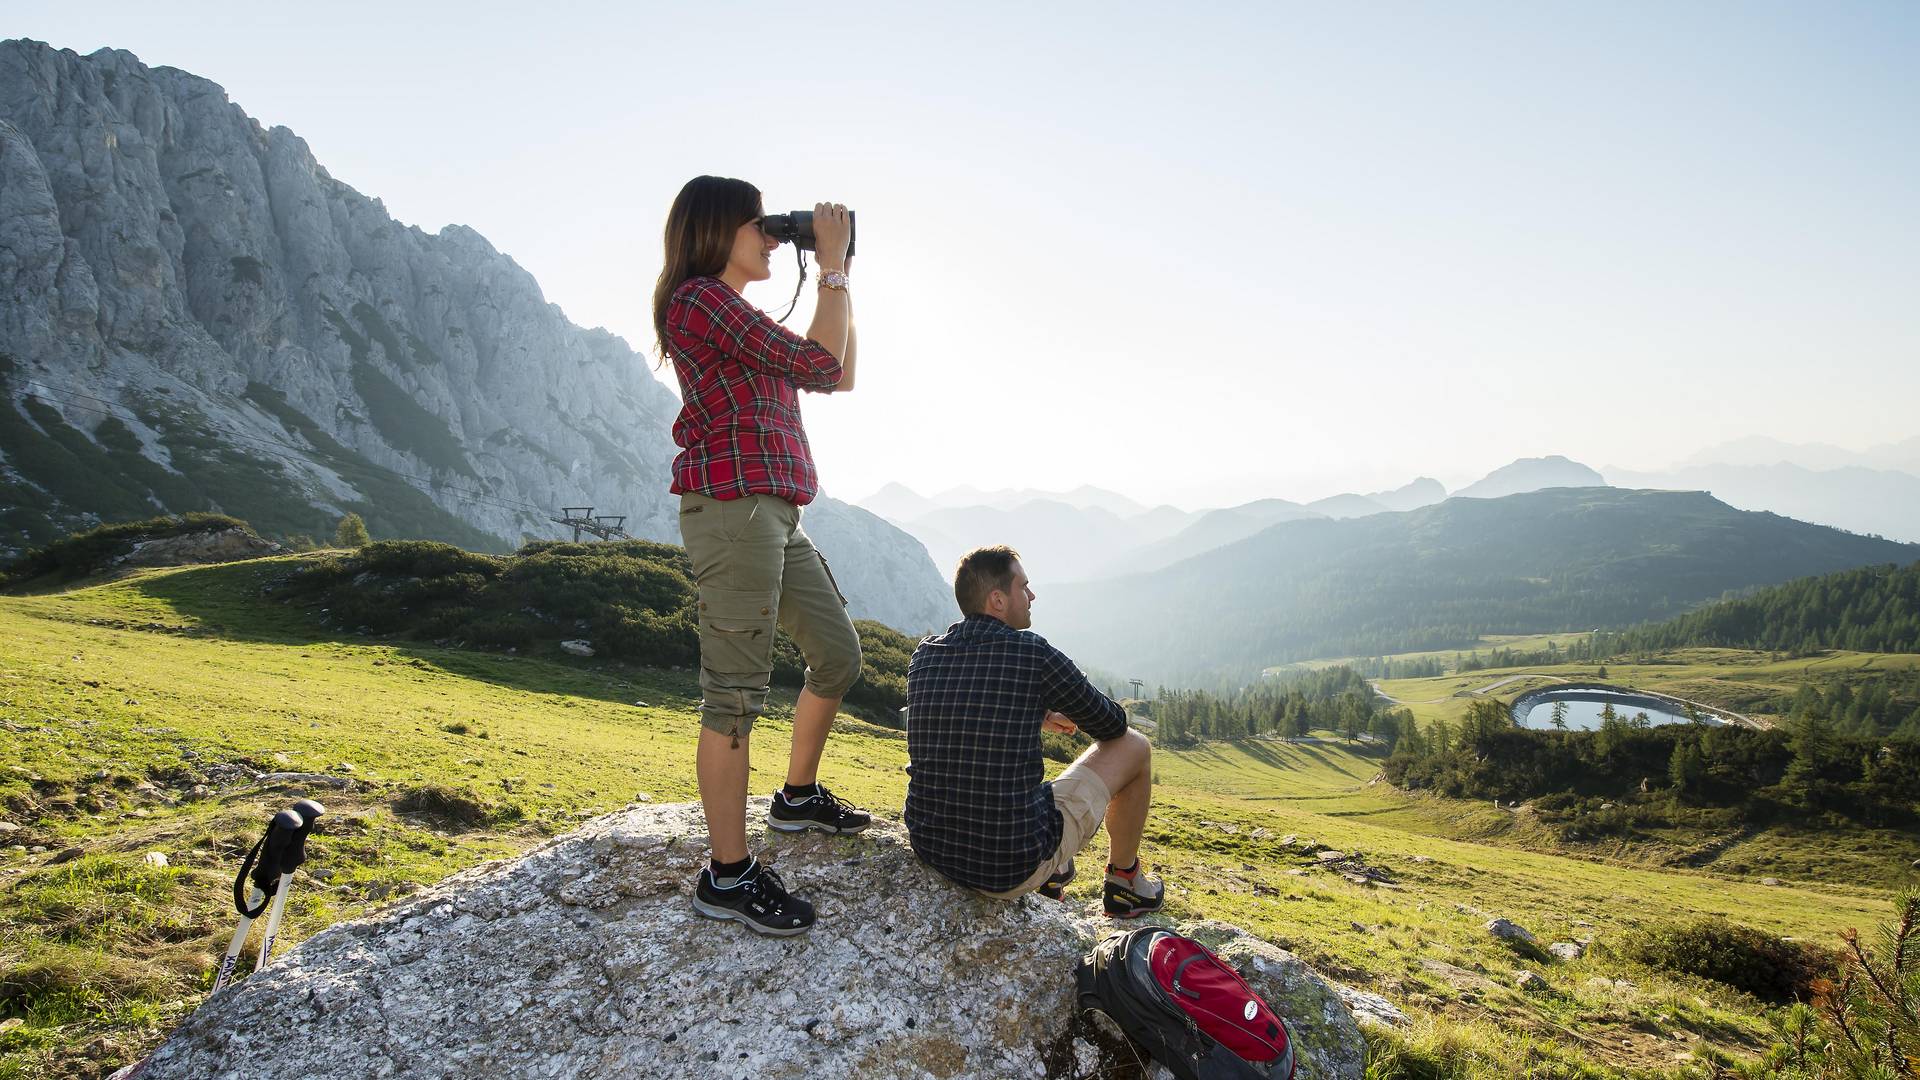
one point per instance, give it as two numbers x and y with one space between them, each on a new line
583 958
217 546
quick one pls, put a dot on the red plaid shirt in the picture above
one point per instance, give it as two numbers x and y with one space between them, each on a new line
740 373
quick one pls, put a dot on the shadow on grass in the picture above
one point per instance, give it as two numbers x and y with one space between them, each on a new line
234 601
1265 752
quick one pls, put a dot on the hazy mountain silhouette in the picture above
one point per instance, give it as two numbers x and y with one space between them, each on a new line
1423 491
1346 506
1903 456
1878 501
1214 529
1531 474
1054 539
1440 577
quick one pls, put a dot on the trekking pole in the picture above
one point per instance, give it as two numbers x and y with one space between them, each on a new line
295 854
274 858
279 853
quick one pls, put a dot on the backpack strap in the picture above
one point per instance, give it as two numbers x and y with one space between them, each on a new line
1184 964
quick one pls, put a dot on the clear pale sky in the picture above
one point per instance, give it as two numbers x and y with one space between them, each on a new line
1268 250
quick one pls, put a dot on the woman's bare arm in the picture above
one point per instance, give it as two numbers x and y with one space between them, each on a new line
833 312
846 362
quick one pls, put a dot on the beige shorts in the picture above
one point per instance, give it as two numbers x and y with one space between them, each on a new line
1082 798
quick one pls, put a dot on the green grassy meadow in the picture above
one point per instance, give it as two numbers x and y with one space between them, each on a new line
1736 679
136 712
1486 643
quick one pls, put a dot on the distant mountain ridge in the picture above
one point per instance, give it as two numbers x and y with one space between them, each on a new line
1090 533
1882 502
898 502
195 315
1439 577
1346 506
1903 455
1531 474
1422 491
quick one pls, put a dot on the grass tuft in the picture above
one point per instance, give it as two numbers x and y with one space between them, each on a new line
455 806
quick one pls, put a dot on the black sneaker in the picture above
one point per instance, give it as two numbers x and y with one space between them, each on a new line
1055 887
1129 896
822 811
757 898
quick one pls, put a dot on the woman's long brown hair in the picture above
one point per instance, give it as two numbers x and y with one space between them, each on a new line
700 229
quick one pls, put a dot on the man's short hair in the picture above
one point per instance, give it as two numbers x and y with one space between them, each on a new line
981 571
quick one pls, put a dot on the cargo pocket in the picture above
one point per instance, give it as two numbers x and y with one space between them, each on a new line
736 633
830 581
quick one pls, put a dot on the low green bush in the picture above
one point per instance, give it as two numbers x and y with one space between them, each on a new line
1057 747
1770 968
85 553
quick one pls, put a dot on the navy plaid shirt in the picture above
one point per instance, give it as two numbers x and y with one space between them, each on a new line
978 808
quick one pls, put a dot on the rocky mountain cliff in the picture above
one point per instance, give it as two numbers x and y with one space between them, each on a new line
584 958
194 315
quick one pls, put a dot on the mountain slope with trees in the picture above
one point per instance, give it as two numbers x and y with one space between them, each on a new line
1439 577
1868 609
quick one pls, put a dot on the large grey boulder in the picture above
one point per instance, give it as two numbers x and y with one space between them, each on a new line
584 959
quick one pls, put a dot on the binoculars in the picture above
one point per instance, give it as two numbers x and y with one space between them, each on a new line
796 228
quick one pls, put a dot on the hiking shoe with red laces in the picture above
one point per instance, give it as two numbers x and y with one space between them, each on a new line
1129 895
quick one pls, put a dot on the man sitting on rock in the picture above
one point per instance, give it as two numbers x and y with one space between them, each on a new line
978 808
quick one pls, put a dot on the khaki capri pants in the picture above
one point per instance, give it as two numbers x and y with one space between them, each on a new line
756 569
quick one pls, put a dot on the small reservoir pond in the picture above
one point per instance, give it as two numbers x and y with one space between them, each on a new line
1584 707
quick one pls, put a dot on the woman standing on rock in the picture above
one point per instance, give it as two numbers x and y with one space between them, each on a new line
743 473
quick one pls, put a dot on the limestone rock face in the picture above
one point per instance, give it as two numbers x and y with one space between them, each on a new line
584 958
222 325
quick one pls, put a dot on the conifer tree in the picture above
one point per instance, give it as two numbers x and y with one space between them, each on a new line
1813 746
351 532
1687 767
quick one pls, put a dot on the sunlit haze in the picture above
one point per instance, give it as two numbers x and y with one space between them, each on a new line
1272 250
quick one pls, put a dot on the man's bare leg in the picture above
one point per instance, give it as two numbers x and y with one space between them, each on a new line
812 722
1126 765
721 765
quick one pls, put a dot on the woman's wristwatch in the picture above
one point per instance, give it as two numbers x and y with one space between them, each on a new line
833 279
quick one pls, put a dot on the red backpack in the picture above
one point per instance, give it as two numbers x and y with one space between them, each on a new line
1185 1006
